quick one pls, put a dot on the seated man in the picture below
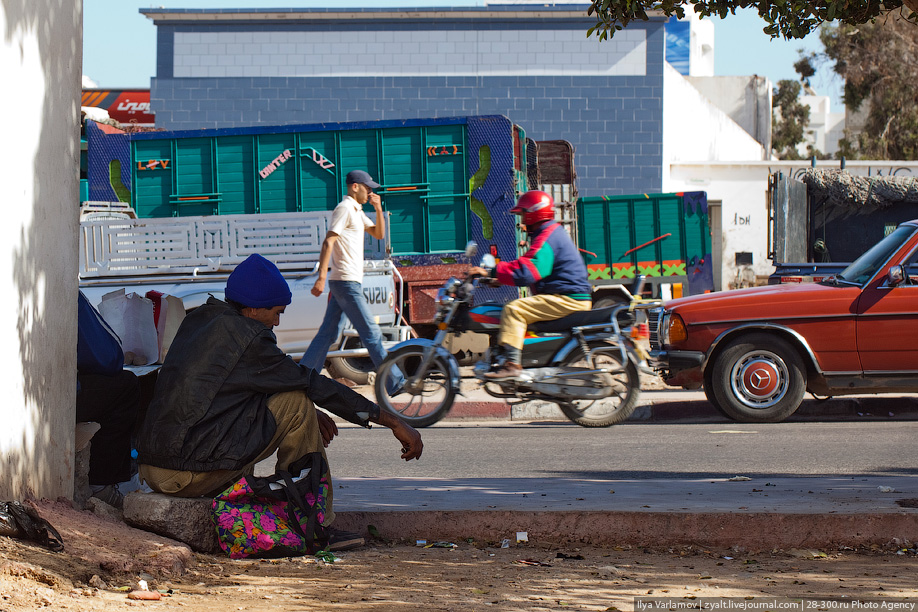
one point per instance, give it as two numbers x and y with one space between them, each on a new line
109 395
552 268
227 397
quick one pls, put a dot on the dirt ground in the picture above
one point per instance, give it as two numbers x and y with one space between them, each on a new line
104 558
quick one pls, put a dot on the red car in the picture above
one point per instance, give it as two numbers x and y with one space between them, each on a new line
757 351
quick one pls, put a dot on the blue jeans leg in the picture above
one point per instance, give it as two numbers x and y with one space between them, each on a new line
349 297
329 331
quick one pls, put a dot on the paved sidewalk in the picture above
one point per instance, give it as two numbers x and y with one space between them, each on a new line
756 514
789 495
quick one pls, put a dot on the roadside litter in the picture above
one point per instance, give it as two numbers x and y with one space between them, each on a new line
143 592
531 562
441 545
23 522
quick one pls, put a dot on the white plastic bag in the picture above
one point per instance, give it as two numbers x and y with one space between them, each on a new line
131 317
168 313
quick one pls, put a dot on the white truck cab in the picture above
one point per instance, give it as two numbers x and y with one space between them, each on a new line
191 258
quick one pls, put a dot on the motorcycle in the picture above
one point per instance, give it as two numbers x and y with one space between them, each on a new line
583 362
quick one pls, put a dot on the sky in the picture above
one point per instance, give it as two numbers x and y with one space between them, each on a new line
119 44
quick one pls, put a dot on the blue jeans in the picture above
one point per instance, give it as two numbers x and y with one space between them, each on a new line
346 300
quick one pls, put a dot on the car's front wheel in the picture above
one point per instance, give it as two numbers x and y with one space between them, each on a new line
758 378
356 369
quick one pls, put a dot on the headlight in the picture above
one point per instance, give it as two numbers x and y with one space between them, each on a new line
663 329
447 293
443 297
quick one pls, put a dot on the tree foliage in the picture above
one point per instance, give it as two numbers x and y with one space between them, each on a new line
878 64
785 18
789 119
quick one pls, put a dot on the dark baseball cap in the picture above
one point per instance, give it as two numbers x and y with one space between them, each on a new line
361 177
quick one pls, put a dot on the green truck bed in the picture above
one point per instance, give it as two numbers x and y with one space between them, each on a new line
665 237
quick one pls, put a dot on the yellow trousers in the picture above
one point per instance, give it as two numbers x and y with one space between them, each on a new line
518 314
297 434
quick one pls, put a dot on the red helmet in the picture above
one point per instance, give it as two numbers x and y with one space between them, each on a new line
535 206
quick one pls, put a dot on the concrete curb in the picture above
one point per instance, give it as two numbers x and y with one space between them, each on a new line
751 531
663 410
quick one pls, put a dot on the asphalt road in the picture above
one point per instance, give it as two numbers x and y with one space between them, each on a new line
633 451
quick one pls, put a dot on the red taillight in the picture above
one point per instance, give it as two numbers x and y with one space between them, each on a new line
641 331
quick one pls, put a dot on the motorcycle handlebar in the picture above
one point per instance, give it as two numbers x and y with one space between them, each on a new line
487 280
470 277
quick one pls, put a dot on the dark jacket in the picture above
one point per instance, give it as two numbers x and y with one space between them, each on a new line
210 405
552 265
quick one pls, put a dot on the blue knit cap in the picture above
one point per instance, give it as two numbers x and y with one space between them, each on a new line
257 283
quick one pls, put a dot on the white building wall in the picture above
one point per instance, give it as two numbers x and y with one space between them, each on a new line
41 53
742 189
745 99
407 53
694 129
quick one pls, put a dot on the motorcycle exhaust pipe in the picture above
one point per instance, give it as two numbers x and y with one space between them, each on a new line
582 373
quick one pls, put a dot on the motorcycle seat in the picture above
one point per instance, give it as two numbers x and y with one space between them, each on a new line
586 317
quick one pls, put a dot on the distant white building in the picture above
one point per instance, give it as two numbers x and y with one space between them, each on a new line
825 128
690 46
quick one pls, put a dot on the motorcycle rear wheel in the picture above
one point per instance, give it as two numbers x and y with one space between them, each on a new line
428 403
625 388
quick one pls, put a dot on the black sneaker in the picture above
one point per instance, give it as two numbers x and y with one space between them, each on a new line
110 495
344 540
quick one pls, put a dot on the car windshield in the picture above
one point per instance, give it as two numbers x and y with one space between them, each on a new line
865 266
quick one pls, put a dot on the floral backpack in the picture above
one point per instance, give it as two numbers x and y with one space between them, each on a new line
277 516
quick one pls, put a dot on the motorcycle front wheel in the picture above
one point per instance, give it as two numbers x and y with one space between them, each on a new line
623 383
425 403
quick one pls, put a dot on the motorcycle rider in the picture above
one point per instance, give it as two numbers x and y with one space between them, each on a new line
553 270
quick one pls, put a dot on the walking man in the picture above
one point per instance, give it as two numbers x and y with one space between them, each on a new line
343 248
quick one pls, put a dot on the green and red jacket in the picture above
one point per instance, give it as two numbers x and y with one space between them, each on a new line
552 265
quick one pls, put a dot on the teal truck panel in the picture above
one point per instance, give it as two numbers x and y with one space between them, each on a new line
444 181
665 237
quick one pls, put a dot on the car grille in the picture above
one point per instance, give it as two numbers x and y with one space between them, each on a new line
653 320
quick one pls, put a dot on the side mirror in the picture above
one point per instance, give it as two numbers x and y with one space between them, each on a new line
488 261
471 248
896 275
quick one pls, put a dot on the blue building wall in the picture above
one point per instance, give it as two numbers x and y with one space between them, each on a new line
614 122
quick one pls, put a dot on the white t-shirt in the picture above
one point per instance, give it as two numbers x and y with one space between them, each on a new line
350 223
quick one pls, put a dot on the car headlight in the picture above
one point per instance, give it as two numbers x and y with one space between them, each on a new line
663 329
